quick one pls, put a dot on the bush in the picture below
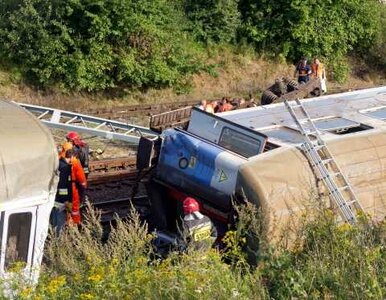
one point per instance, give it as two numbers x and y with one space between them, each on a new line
376 57
329 29
213 20
80 266
97 45
327 260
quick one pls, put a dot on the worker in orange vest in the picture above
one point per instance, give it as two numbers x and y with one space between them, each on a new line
225 105
81 150
79 184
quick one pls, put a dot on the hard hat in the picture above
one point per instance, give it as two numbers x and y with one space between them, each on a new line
190 205
66 146
72 136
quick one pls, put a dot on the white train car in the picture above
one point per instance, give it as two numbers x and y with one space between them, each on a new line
28 182
280 180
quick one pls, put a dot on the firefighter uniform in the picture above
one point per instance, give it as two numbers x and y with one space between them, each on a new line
81 150
79 185
198 229
63 195
82 153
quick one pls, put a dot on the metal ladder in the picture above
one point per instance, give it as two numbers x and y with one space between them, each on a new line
60 119
321 159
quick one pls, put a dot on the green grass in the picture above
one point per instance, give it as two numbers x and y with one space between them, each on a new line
325 260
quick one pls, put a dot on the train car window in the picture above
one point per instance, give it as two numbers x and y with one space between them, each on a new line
376 112
18 236
338 125
239 143
283 133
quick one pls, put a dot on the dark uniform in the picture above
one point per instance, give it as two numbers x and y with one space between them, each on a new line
199 231
304 73
82 153
63 195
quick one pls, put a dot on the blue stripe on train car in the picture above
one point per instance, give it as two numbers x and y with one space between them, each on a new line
189 163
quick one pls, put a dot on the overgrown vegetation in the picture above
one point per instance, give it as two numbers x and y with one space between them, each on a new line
326 260
92 45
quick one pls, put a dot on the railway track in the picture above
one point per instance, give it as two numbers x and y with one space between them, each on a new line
122 112
112 170
121 207
111 183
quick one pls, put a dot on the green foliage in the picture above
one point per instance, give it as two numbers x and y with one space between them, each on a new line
96 45
329 29
213 20
377 54
326 260
92 45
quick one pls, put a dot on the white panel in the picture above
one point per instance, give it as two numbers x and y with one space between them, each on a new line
225 175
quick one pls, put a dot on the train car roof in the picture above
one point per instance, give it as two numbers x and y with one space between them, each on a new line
335 115
28 158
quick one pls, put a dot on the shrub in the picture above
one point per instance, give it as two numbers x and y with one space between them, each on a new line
97 45
213 21
329 29
329 260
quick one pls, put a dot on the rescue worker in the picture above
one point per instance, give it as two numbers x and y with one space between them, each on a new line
319 71
202 105
63 197
78 184
224 105
211 107
198 229
303 70
81 150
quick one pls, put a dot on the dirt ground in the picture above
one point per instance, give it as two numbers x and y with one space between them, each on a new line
238 76
100 148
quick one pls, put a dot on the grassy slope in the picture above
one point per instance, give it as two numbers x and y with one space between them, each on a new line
236 75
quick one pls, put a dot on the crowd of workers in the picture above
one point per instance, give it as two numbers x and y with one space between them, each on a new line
303 71
225 104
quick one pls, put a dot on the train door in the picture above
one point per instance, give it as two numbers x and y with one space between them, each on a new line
17 238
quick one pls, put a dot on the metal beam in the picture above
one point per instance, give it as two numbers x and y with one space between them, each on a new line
60 119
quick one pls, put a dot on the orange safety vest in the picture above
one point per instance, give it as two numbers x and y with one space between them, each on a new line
225 107
317 70
78 178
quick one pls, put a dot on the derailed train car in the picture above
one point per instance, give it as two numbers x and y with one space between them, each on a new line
257 150
28 181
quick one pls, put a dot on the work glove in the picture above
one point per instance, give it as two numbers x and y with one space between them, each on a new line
68 206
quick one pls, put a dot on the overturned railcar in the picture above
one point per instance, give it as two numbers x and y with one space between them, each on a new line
28 182
257 150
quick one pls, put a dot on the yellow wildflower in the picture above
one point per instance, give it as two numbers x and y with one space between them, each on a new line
95 278
344 227
87 296
55 284
25 293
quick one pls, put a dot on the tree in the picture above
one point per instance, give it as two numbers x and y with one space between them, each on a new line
330 28
213 20
95 44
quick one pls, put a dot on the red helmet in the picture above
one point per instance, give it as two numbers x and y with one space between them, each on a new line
190 205
72 136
